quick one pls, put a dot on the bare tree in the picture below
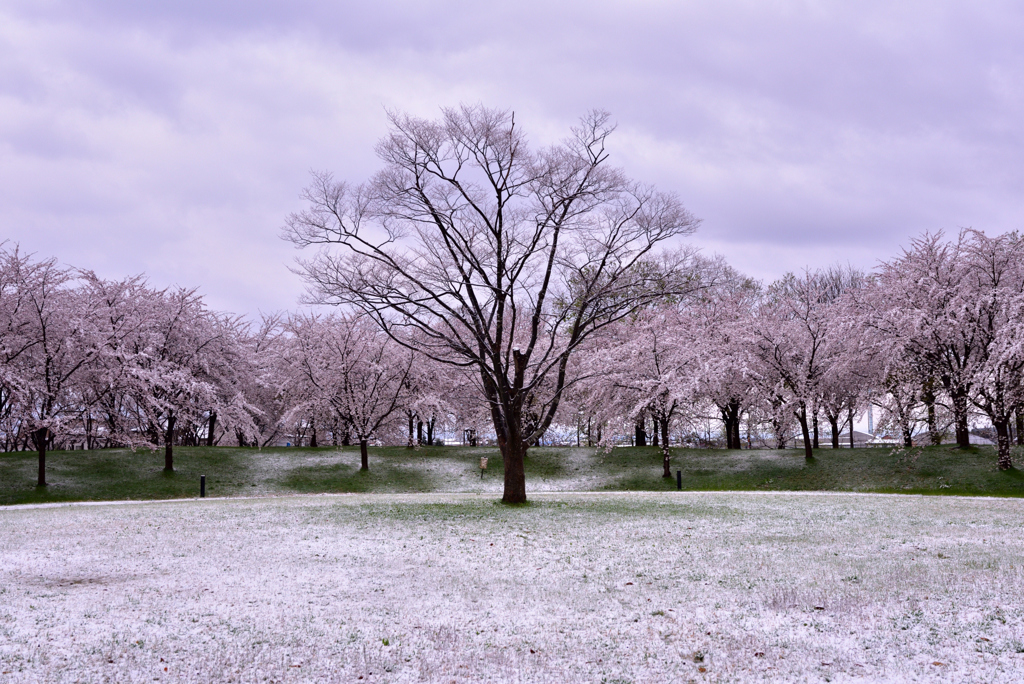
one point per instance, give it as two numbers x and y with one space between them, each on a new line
481 253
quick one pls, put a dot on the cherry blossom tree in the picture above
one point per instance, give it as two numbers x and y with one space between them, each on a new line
348 364
796 338
57 339
479 252
950 305
718 325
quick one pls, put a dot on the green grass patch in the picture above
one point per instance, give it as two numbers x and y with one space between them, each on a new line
920 470
119 474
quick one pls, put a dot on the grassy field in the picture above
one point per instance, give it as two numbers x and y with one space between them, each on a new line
124 475
576 587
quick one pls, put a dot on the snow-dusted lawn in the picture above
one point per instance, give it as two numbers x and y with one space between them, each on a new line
576 587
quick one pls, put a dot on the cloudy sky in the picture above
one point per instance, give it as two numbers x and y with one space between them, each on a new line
172 138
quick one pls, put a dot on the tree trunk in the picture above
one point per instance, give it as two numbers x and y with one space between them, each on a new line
41 435
780 434
665 455
210 428
412 427
513 453
833 422
169 443
654 433
908 438
312 440
419 432
88 433
801 416
364 455
851 424
731 421
814 439
1003 442
928 399
640 432
1019 416
430 432
963 434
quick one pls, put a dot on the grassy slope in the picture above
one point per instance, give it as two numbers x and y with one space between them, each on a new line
118 474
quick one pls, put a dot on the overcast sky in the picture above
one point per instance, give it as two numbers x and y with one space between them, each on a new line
173 138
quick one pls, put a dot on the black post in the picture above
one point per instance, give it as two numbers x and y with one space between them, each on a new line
679 480
202 486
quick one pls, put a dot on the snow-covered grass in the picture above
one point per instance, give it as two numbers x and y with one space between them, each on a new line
612 587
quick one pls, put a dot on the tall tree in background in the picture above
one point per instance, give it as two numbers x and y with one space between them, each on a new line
351 366
796 336
480 252
58 339
951 307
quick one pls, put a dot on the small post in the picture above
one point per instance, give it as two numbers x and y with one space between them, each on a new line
679 480
202 486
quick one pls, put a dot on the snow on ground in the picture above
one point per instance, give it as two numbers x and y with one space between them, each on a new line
617 587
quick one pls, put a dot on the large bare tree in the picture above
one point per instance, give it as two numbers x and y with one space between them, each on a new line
482 253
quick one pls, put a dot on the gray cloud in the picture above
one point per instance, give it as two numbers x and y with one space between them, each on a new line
173 138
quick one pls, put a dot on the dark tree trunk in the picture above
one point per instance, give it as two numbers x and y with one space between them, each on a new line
169 443
600 428
928 399
41 436
814 440
1019 420
1003 442
210 428
412 428
346 438
664 434
430 432
641 432
833 422
963 434
801 416
419 432
850 416
88 433
312 440
654 433
731 418
908 438
364 455
513 454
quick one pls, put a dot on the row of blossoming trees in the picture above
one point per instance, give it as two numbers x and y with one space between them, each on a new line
931 339
92 363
